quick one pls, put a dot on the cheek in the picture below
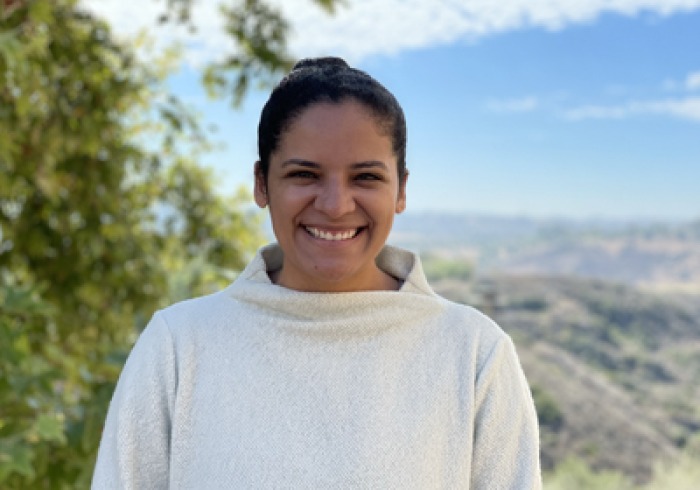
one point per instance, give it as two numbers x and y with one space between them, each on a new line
288 200
383 209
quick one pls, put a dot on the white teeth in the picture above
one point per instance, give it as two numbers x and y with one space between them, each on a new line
332 236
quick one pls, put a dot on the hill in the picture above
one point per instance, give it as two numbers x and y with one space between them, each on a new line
659 256
613 368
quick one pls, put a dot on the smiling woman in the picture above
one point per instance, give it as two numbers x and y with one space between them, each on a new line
332 187
329 362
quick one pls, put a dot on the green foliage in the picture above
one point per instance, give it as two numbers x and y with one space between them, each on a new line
683 473
200 228
534 304
549 414
260 33
574 474
437 268
104 217
48 431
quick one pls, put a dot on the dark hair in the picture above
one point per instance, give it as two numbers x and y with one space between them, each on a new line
328 79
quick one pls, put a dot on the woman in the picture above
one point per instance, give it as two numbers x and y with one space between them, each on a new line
329 362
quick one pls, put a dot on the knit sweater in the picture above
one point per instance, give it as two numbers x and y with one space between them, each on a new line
262 387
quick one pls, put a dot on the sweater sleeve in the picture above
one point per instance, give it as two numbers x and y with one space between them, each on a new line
135 446
506 436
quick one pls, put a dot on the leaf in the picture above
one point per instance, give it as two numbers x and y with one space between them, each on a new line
40 11
15 457
10 47
50 428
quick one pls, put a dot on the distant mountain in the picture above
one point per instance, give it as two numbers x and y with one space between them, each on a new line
613 369
664 256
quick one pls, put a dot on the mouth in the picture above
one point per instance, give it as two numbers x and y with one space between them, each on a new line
333 235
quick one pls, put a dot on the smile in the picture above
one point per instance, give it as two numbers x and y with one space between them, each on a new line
332 235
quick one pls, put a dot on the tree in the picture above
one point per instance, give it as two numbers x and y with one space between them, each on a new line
260 32
104 217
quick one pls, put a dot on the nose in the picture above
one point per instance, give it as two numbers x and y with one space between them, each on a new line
334 199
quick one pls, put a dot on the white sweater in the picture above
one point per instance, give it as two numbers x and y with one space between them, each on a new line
263 387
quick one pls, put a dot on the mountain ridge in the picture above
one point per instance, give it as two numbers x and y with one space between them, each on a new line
652 254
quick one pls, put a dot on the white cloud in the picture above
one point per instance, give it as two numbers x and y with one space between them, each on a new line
688 108
208 43
363 28
692 81
523 104
368 27
684 108
596 112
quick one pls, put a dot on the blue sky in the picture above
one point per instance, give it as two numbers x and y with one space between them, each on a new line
565 109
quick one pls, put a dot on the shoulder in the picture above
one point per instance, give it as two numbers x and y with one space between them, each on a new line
191 314
465 318
477 336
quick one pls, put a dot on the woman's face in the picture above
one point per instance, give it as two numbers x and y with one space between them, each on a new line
333 189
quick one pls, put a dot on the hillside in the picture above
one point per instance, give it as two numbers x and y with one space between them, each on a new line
658 256
613 369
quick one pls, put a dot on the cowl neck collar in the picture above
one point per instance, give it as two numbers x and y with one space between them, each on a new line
363 308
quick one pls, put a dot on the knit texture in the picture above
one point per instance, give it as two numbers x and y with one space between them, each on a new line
263 387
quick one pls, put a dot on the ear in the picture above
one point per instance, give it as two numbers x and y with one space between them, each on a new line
401 199
260 189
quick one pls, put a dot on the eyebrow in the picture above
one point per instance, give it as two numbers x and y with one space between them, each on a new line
300 162
359 165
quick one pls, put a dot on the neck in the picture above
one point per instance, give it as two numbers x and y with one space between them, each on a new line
381 282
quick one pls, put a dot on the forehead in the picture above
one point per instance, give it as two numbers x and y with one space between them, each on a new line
326 125
347 110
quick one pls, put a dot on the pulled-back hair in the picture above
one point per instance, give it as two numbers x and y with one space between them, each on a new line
329 80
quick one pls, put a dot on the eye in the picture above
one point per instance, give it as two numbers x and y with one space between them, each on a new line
369 176
301 174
